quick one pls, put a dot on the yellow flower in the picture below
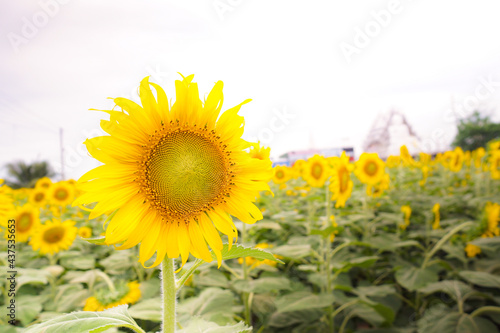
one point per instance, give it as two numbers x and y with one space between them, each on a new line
174 175
406 157
85 232
457 160
43 183
425 174
493 217
6 205
341 184
61 193
281 174
38 196
478 155
260 152
128 293
335 225
472 250
407 213
393 161
54 236
370 169
378 189
27 220
316 171
435 210
297 168
495 164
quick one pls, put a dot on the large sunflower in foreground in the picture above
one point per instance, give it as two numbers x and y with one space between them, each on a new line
54 236
370 169
174 175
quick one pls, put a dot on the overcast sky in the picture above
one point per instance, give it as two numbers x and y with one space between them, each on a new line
318 72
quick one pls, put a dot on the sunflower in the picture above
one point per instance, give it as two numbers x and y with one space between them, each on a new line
297 168
477 156
281 174
44 182
128 293
174 175
472 250
406 157
492 216
393 161
370 169
38 196
316 171
341 184
6 205
61 193
457 160
27 220
54 236
406 210
435 210
495 164
376 191
260 152
85 232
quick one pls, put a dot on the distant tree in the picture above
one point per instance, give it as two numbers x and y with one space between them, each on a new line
21 174
475 131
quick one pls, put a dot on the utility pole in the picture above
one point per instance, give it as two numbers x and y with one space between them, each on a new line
62 152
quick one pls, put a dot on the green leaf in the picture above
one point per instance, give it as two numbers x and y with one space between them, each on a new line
458 323
199 325
456 289
375 291
86 321
210 300
75 260
287 319
147 310
482 279
488 244
28 308
262 285
302 300
31 276
413 278
327 231
293 251
96 240
239 251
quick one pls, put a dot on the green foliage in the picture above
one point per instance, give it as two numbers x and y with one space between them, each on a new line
21 174
476 131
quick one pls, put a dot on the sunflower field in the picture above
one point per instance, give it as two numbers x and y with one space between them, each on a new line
409 244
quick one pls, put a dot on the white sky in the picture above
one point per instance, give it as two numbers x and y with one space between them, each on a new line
285 55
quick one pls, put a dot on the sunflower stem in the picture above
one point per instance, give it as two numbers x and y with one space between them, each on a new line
108 281
168 295
246 296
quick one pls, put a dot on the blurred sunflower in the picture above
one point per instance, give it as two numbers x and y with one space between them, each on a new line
376 191
61 193
406 157
393 161
341 184
316 171
370 169
406 210
6 204
492 211
477 156
457 160
260 152
472 250
38 196
437 217
281 174
44 183
495 164
125 293
27 220
297 168
53 236
85 232
174 175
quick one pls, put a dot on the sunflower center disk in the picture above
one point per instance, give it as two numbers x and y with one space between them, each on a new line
186 173
53 235
317 170
371 168
24 222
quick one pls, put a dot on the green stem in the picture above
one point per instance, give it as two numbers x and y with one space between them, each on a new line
168 295
108 281
246 296
186 275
